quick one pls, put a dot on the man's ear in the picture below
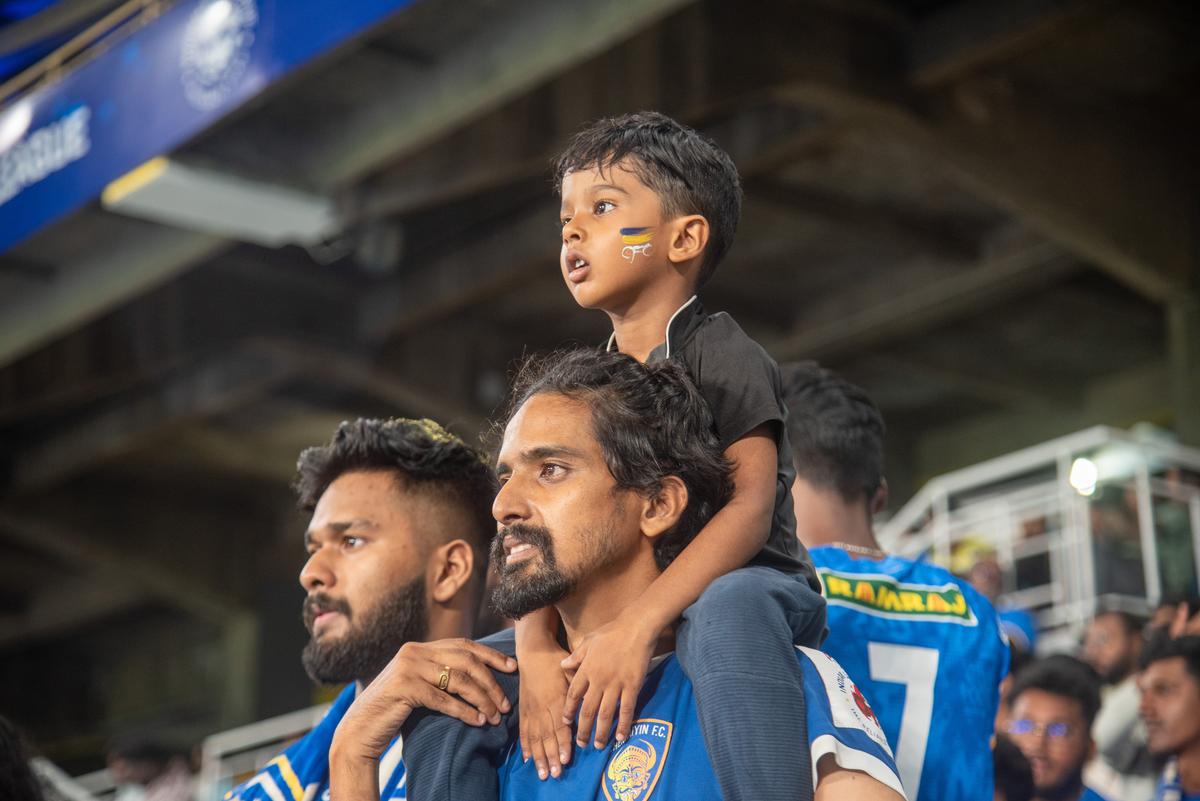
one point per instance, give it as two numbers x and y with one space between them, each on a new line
880 500
688 238
662 511
448 570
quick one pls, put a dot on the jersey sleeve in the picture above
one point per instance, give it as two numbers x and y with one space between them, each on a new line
739 381
841 723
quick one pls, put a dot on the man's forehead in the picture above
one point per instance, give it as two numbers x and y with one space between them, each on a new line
366 499
548 420
1048 704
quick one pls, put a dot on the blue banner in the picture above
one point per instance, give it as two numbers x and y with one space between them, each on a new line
151 91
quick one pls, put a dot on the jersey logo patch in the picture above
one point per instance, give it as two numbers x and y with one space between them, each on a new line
848 707
883 596
636 764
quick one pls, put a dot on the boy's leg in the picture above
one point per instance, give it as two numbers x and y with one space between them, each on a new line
736 646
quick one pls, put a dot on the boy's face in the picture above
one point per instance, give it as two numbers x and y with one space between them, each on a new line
614 238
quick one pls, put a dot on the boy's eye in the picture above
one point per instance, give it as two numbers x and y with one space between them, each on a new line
603 207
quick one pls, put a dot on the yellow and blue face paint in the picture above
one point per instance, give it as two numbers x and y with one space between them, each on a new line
637 240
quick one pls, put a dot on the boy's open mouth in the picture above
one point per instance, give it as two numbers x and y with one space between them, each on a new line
576 267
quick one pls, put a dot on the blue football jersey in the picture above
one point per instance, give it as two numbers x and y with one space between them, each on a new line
927 650
301 773
665 758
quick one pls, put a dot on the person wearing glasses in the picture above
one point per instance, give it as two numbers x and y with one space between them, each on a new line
1053 703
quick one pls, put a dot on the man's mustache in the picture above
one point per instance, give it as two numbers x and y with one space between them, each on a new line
537 536
319 603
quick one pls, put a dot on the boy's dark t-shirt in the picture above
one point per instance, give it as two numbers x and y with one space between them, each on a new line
743 388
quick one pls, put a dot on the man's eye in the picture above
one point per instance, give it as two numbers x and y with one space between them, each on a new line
550 471
603 207
350 541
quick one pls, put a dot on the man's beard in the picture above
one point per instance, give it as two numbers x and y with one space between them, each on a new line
1068 789
1117 673
533 584
371 641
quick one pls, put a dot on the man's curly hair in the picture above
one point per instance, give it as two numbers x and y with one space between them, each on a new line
650 422
421 455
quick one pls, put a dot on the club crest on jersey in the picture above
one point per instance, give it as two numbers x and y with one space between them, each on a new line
636 764
883 596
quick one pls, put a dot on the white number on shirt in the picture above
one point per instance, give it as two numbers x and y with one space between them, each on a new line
915 668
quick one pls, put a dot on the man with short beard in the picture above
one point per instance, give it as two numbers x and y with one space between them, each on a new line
1112 644
396 554
608 468
1170 707
1053 703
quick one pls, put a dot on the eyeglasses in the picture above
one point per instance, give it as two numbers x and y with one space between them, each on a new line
1055 731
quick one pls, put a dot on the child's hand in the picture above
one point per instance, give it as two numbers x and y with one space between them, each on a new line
544 735
610 666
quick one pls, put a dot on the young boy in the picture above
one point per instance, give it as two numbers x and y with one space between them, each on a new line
649 208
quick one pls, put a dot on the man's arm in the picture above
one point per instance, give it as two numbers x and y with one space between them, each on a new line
835 782
450 676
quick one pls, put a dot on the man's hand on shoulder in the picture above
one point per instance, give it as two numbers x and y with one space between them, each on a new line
448 676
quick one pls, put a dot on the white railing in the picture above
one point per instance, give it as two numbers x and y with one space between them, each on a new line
1063 541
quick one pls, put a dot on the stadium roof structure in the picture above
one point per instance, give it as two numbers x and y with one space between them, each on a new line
984 213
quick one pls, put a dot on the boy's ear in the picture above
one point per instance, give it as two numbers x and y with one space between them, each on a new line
662 511
688 238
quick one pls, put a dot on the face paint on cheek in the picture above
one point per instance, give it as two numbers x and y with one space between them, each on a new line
636 240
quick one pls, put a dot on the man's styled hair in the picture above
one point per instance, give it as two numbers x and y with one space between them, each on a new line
835 430
688 171
1064 676
1163 646
650 422
423 458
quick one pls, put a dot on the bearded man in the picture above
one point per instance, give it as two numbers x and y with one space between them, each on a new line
607 470
397 550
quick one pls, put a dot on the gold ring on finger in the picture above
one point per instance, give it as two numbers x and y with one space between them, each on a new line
444 678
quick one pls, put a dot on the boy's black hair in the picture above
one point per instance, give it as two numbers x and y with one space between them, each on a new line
650 422
421 456
688 171
1064 676
1163 646
835 430
1131 622
1014 776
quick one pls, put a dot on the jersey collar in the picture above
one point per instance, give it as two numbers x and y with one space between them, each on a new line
679 328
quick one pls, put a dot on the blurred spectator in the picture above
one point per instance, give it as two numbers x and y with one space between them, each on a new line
985 576
1053 705
145 770
1168 609
17 781
1014 777
1112 644
1170 708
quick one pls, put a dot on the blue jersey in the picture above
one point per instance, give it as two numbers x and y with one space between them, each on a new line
928 652
1091 795
301 773
665 758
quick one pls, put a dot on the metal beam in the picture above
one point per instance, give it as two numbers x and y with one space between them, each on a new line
66 604
923 307
93 555
207 389
970 35
115 272
537 40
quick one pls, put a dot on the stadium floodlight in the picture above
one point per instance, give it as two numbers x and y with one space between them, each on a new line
1083 476
165 191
